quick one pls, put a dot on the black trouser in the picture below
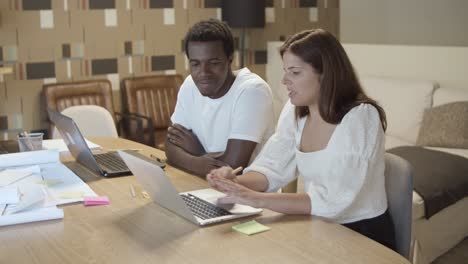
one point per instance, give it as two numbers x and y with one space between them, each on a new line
379 228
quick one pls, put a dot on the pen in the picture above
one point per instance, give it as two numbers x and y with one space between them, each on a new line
28 142
237 170
4 208
132 191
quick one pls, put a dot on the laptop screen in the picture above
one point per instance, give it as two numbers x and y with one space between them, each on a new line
74 140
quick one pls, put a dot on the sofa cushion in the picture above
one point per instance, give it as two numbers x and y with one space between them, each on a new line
404 102
445 126
438 177
448 95
418 202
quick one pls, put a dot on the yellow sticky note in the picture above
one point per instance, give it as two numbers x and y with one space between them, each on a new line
250 228
51 182
71 195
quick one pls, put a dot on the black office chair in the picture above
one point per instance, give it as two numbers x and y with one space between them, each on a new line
399 188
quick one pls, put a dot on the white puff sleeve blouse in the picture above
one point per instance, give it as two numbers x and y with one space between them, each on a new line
345 181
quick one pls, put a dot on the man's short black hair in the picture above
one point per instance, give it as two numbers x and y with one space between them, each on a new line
211 30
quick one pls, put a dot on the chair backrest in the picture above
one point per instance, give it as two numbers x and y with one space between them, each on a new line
93 92
399 188
92 120
59 96
152 96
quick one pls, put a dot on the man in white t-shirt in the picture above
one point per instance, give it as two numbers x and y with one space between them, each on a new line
221 117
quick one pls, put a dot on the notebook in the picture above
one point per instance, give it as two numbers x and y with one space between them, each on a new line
198 206
107 164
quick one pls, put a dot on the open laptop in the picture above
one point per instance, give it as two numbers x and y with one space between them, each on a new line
199 206
107 164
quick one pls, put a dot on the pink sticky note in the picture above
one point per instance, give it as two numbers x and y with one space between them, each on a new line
96 200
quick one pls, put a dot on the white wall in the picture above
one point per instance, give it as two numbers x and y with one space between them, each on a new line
404 22
414 39
274 74
446 65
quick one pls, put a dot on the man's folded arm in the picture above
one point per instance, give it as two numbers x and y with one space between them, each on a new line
199 165
238 152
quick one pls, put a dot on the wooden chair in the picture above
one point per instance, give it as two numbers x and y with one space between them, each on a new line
154 97
61 96
399 189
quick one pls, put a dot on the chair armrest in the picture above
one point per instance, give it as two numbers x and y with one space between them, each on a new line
138 135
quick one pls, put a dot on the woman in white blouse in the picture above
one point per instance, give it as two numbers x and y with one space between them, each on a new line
331 133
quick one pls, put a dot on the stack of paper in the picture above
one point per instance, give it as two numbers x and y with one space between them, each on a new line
29 207
32 184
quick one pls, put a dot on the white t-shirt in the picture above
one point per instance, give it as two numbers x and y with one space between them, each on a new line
245 112
345 181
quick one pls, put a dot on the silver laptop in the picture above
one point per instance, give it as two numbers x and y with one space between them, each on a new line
107 164
199 207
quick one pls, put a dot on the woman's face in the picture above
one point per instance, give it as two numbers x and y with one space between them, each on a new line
301 80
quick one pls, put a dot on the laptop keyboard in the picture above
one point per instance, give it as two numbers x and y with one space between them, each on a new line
111 161
202 208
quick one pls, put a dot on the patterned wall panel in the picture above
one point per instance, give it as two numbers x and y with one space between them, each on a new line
46 41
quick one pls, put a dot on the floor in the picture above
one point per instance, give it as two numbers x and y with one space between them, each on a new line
457 255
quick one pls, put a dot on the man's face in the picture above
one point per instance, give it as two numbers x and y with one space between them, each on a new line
209 67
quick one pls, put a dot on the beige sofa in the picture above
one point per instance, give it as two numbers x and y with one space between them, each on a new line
404 102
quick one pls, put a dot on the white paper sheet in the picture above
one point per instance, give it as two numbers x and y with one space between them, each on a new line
33 199
9 195
12 176
29 158
70 182
59 144
66 182
41 214
38 200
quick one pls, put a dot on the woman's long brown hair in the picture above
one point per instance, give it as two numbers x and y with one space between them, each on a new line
340 89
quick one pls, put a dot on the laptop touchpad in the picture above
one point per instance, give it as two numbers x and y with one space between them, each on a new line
212 196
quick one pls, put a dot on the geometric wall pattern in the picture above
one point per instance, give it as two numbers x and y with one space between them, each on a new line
46 41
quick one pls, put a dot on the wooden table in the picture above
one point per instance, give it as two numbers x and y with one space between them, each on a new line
136 230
